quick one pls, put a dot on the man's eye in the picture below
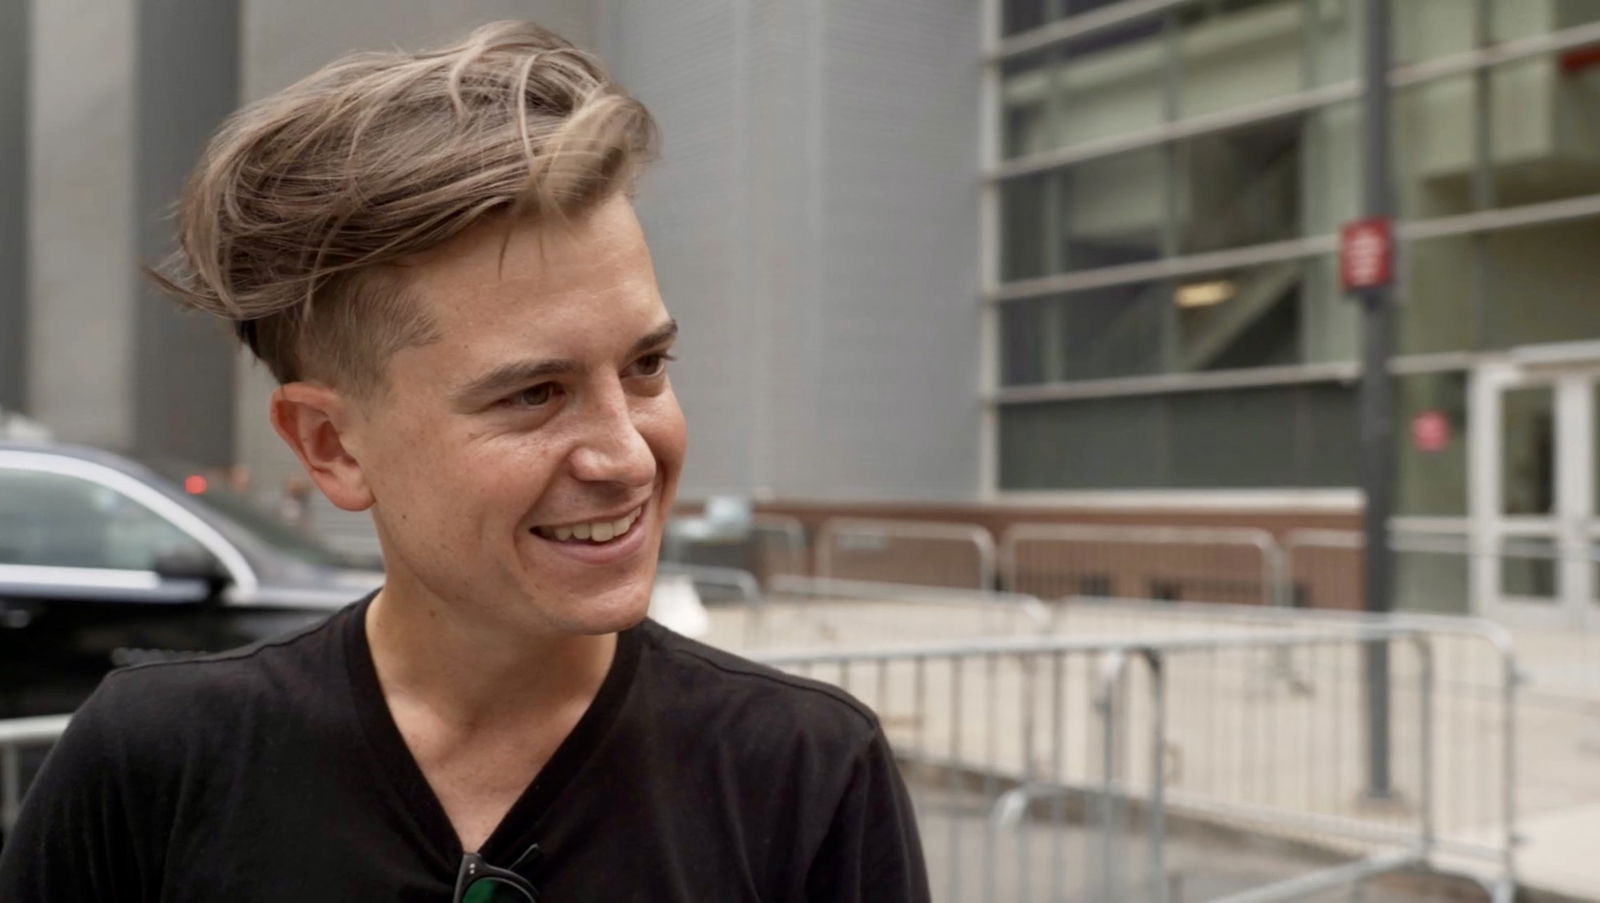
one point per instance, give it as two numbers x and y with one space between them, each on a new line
651 364
533 397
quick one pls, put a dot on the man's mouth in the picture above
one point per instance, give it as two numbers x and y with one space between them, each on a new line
595 532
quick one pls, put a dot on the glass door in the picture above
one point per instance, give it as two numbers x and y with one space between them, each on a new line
1535 497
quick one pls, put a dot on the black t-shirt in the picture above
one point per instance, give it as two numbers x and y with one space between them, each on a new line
275 773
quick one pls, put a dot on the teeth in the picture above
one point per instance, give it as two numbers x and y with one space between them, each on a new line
598 531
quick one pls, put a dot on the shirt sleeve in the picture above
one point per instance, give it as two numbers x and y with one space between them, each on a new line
79 836
871 852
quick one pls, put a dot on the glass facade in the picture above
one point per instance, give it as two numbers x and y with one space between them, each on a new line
1169 185
1300 436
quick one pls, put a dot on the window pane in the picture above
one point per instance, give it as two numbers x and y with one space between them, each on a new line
1023 226
1542 283
1431 428
1235 439
1095 334
1438 310
1435 147
1112 210
1333 168
59 521
1335 38
1431 574
1424 31
1269 437
1107 84
1528 456
1333 319
1530 568
1232 54
1240 187
1241 318
1021 15
1546 128
1113 443
1028 95
1512 19
1594 476
1100 213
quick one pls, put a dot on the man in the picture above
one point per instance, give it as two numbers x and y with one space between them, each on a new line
436 256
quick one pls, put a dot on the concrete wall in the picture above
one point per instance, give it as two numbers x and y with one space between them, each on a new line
81 244
14 81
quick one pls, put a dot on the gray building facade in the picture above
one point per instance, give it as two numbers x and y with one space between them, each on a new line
813 219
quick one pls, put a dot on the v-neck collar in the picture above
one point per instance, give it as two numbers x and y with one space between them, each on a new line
513 834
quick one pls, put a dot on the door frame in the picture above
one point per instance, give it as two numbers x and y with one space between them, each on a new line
1573 525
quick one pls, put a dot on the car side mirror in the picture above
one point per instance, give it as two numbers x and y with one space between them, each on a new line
192 563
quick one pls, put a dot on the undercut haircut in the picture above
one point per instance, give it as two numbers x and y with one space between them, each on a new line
293 220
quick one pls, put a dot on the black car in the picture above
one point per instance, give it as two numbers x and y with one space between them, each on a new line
105 562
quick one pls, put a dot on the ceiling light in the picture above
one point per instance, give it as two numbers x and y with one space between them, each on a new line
1204 294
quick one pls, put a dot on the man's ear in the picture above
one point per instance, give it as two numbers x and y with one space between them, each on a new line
315 422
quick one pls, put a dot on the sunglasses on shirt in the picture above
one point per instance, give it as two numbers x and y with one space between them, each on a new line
479 882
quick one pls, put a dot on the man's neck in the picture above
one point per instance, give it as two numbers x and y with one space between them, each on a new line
476 677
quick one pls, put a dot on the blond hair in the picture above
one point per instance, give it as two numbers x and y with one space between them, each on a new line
301 199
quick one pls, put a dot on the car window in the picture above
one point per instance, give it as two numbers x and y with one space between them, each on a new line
273 531
64 521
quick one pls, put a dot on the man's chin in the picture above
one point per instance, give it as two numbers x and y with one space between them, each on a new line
595 616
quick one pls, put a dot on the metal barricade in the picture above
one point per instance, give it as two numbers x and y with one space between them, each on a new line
809 612
1157 767
1153 768
924 553
780 545
19 736
1209 564
1323 570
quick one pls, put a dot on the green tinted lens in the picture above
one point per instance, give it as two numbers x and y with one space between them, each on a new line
495 890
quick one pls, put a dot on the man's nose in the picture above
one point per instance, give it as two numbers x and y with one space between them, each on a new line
612 449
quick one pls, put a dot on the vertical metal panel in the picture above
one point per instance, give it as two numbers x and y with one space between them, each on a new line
902 91
187 64
81 251
14 81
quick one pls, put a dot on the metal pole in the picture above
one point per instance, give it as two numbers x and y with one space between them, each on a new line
1158 892
1377 400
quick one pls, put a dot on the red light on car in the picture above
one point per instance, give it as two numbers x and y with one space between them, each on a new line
194 484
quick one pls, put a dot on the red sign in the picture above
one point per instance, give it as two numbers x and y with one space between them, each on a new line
1366 254
1430 432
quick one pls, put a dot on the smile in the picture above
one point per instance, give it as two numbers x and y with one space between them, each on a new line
593 533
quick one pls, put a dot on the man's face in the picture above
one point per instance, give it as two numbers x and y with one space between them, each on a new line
523 465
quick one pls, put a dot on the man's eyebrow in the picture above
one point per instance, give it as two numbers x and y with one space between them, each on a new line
506 377
665 333
521 374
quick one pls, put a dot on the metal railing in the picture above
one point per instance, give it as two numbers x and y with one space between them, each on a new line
17 736
810 612
1173 563
930 553
1118 768
781 544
